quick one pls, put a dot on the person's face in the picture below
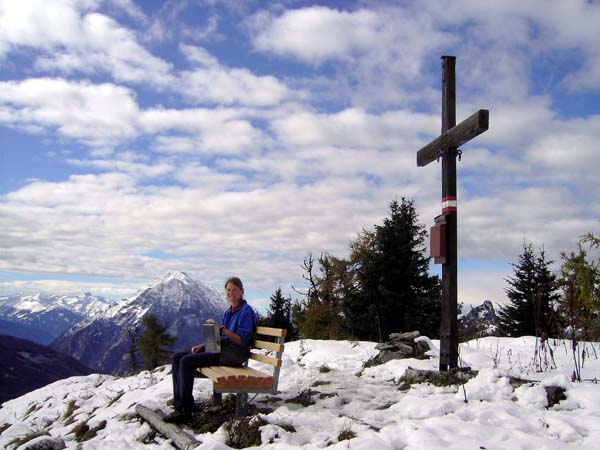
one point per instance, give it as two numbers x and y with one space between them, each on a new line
234 293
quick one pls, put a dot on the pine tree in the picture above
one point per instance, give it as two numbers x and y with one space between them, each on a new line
133 347
396 292
155 342
532 293
279 314
580 272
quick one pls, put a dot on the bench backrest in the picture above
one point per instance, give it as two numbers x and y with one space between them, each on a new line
276 334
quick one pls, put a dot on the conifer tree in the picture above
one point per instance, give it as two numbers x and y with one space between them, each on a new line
532 293
396 292
155 343
581 272
279 314
132 352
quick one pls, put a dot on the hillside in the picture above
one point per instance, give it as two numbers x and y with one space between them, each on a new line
27 365
345 405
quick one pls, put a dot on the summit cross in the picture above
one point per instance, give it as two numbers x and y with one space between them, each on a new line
443 234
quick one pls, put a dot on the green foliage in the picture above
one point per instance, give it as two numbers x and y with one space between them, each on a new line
320 315
533 297
580 280
132 352
383 287
279 314
155 343
396 292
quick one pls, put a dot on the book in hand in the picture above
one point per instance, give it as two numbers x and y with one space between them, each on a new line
212 338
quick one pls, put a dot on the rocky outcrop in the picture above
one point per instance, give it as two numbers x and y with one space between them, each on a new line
401 345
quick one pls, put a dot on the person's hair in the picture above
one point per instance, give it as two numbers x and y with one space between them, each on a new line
235 281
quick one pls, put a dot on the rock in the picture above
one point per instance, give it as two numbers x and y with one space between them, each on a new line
385 346
384 357
555 394
405 348
401 345
421 347
44 443
409 336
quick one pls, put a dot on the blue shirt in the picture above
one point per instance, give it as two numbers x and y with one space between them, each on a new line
242 322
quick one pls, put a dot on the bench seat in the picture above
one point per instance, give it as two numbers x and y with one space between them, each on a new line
244 380
237 377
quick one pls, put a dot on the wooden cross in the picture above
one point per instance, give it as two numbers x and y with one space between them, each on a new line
446 147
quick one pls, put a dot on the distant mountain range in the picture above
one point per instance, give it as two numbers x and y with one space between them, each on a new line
27 366
103 341
42 318
98 332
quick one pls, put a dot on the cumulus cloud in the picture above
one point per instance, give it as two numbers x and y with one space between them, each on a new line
66 287
223 131
317 33
210 82
71 39
96 114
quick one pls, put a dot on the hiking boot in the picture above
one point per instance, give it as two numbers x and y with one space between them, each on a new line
177 417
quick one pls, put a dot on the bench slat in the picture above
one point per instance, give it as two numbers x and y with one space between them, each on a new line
237 377
277 332
266 359
269 346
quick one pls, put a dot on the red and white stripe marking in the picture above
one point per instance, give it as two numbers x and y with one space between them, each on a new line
448 205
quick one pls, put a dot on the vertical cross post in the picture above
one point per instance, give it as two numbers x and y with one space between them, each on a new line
444 248
449 326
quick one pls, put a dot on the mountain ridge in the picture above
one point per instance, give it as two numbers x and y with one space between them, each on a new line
104 342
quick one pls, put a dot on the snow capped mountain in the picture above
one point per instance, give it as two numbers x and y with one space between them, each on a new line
42 318
104 341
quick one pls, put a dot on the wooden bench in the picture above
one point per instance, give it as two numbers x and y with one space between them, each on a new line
245 380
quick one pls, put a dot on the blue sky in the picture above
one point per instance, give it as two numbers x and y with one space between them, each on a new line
229 137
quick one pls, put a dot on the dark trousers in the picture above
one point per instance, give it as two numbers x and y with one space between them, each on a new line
183 366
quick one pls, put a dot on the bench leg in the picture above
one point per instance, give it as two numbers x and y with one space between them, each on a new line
241 404
217 398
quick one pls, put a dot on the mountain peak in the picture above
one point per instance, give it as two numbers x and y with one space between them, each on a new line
171 275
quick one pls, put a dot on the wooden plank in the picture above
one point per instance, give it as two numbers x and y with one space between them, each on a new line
269 346
455 137
245 383
210 372
225 372
266 359
267 331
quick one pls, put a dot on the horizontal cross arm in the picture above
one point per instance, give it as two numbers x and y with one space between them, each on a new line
455 137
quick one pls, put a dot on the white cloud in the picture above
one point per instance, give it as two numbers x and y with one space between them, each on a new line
317 33
96 114
124 166
212 131
72 40
210 82
67 287
354 127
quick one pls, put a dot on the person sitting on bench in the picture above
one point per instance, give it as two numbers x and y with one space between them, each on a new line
237 330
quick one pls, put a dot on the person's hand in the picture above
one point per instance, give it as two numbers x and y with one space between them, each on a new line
197 348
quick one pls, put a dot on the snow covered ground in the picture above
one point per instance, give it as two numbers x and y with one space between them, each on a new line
364 403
